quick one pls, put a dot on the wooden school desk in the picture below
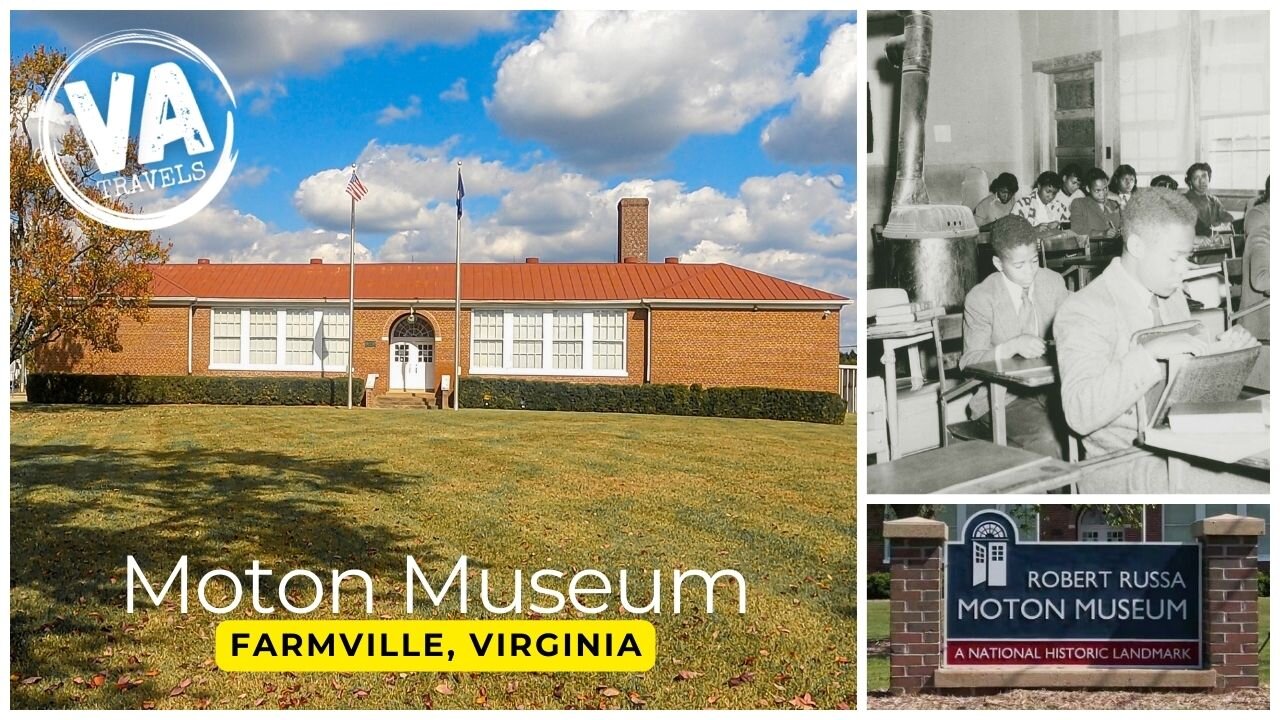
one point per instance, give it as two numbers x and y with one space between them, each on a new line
973 467
1015 371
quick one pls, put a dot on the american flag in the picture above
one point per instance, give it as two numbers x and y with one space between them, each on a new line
355 188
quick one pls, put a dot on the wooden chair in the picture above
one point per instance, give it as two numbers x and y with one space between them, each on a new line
950 328
1233 279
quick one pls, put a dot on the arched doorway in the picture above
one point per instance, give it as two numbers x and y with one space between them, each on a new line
413 354
990 554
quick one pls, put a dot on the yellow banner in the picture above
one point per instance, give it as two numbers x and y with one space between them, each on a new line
436 645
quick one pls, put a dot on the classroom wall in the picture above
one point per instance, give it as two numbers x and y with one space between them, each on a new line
975 91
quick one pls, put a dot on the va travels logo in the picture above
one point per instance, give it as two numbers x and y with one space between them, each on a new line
173 142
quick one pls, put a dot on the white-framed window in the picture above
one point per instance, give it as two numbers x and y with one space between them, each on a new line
486 339
224 346
955 516
609 339
534 341
262 337
283 339
526 340
336 340
566 334
299 337
1193 86
1178 519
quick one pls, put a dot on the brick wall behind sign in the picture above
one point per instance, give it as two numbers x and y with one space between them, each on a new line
1231 609
915 614
794 349
156 346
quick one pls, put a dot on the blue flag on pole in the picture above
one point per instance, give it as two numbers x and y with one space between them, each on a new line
461 193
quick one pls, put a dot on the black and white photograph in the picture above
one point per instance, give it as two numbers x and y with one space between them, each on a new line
1067 260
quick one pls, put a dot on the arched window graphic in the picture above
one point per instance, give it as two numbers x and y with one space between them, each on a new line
990 554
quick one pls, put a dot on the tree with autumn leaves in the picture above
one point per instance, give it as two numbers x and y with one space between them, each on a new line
71 278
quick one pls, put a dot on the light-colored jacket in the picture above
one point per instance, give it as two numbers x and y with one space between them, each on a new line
1257 270
1102 376
990 319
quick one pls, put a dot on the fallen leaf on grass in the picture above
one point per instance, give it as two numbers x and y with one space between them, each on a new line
609 691
686 675
444 688
361 693
259 701
636 700
742 679
149 705
98 680
803 702
31 680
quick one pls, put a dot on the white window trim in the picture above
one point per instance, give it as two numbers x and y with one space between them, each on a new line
962 517
548 321
281 342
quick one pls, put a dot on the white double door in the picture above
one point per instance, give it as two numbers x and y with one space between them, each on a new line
412 363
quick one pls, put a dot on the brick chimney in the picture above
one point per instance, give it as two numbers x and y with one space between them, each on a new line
633 229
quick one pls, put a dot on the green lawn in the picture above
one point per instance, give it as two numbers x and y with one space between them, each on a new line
878 629
323 488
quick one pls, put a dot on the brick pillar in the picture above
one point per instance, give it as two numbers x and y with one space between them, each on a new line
1230 587
915 602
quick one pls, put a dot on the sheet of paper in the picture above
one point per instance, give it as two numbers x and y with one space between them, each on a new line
1225 447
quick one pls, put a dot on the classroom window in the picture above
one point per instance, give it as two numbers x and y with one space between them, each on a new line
526 347
1194 86
566 349
528 341
486 338
299 337
262 337
609 336
225 347
336 341
287 339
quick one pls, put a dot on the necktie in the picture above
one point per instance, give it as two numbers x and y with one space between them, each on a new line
1155 311
1027 314
1155 391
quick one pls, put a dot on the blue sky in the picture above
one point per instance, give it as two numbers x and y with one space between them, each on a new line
738 126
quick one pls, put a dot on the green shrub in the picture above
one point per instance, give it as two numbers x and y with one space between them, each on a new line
732 402
1264 584
878 586
177 389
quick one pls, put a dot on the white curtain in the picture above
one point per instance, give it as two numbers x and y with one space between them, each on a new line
1194 86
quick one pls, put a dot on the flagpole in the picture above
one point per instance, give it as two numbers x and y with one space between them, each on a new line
457 300
351 302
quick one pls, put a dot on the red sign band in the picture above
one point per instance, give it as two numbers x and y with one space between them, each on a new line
1101 653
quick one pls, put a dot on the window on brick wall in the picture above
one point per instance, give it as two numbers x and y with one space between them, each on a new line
285 339
532 341
1178 520
225 347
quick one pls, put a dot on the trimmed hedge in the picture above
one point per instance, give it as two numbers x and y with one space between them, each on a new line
179 389
729 402
878 586
1264 584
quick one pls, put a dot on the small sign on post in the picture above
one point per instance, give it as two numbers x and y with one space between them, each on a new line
1069 603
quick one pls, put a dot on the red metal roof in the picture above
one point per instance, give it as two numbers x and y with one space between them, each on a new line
480 282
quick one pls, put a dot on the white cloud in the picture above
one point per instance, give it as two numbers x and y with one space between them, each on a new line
821 124
224 234
457 92
392 113
619 90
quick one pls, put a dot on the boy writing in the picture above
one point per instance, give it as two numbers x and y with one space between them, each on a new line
1008 314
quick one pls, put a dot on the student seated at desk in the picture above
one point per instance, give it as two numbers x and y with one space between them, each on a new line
999 203
1009 314
1072 184
1042 208
1095 215
1164 181
1257 266
1102 377
1211 216
1123 181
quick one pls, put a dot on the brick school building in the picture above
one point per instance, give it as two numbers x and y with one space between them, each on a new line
630 321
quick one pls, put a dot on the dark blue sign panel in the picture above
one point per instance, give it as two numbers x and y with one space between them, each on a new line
1104 604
